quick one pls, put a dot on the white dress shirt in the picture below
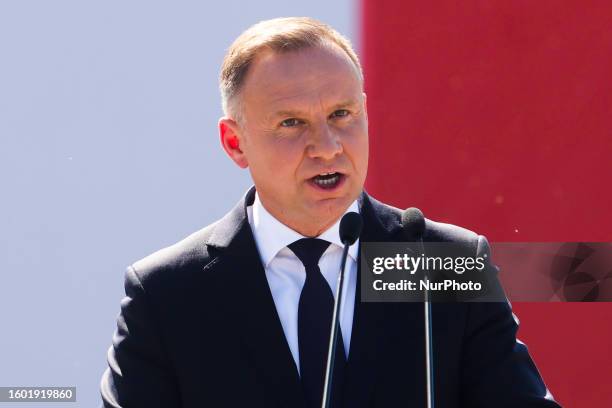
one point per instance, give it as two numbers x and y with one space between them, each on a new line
286 273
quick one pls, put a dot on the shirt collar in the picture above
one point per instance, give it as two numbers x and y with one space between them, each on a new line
271 235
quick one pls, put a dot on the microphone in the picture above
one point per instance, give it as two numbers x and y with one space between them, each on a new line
413 224
350 229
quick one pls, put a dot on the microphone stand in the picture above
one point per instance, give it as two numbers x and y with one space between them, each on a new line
428 337
331 355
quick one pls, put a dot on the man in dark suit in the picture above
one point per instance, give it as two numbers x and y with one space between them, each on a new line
237 314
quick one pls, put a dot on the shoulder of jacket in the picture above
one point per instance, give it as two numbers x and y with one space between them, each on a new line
443 232
168 263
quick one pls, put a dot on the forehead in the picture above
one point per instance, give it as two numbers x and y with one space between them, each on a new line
315 75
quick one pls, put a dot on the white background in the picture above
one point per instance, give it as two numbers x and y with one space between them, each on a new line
108 151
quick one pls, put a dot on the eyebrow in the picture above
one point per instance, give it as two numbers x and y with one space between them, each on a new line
291 113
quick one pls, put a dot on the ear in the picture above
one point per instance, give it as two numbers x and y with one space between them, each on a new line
365 105
230 137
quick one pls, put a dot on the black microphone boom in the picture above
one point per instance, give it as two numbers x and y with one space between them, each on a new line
413 223
350 229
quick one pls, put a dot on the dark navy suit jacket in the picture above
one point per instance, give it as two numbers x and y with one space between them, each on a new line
199 328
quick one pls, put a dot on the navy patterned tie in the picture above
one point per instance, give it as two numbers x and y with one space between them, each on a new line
314 323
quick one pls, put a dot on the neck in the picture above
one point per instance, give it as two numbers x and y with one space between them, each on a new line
310 231
307 226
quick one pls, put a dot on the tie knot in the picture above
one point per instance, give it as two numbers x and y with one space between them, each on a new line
309 250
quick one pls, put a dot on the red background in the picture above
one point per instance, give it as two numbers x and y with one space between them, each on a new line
498 117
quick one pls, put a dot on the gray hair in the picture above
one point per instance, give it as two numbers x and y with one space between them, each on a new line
279 35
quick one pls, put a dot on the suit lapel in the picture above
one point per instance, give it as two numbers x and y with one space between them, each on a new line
263 335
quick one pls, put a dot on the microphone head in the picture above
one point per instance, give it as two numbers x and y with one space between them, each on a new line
413 223
350 228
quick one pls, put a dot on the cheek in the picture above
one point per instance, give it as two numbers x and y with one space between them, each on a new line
280 158
357 147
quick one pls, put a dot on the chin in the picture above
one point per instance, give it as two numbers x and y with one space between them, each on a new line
332 208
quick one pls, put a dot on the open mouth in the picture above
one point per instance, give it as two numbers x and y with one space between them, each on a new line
328 181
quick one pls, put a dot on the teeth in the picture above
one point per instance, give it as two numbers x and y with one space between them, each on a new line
326 174
327 182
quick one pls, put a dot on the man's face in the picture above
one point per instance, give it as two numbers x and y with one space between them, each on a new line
304 135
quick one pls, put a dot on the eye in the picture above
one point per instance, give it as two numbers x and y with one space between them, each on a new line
340 113
291 122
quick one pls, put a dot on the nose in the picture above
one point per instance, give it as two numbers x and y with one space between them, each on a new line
324 143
